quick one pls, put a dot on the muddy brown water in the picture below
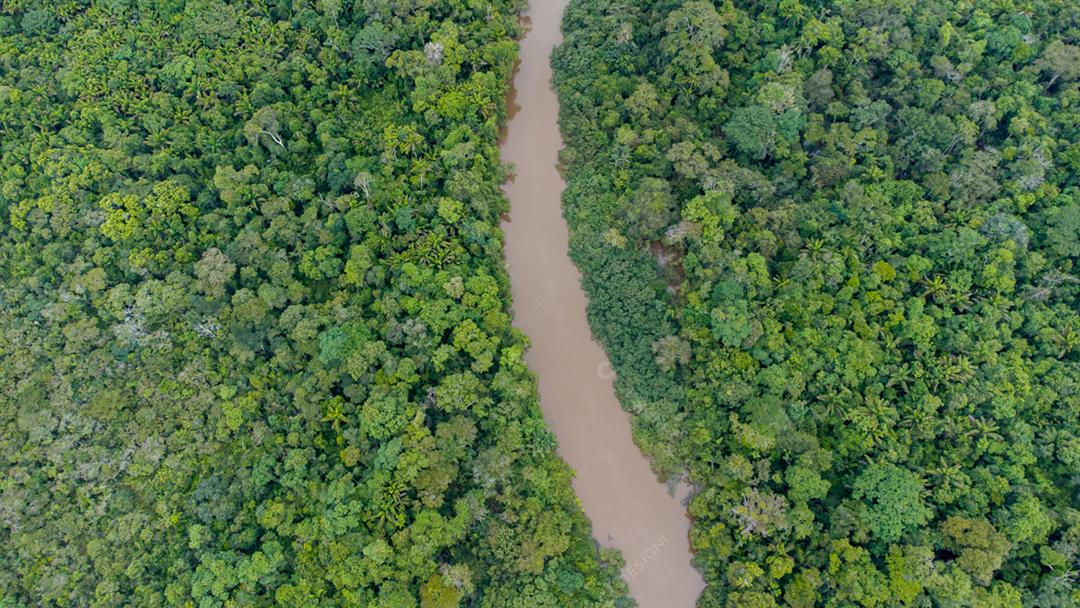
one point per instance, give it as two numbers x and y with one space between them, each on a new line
630 509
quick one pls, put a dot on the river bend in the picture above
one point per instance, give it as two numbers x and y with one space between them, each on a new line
629 508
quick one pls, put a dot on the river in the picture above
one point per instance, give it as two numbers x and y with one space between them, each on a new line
629 508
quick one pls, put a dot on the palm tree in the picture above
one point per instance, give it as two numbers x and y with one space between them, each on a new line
936 287
335 413
982 428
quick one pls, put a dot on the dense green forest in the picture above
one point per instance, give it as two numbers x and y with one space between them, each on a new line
255 345
833 250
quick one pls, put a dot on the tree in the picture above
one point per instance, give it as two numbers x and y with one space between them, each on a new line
652 210
671 351
1061 61
213 272
266 123
892 501
694 25
435 593
981 548
1063 233
753 130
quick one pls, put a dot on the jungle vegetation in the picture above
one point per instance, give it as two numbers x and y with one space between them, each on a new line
832 249
255 347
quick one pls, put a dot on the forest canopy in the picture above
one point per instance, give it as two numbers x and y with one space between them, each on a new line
255 345
833 251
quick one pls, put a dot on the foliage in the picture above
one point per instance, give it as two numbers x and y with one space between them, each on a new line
254 329
832 251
